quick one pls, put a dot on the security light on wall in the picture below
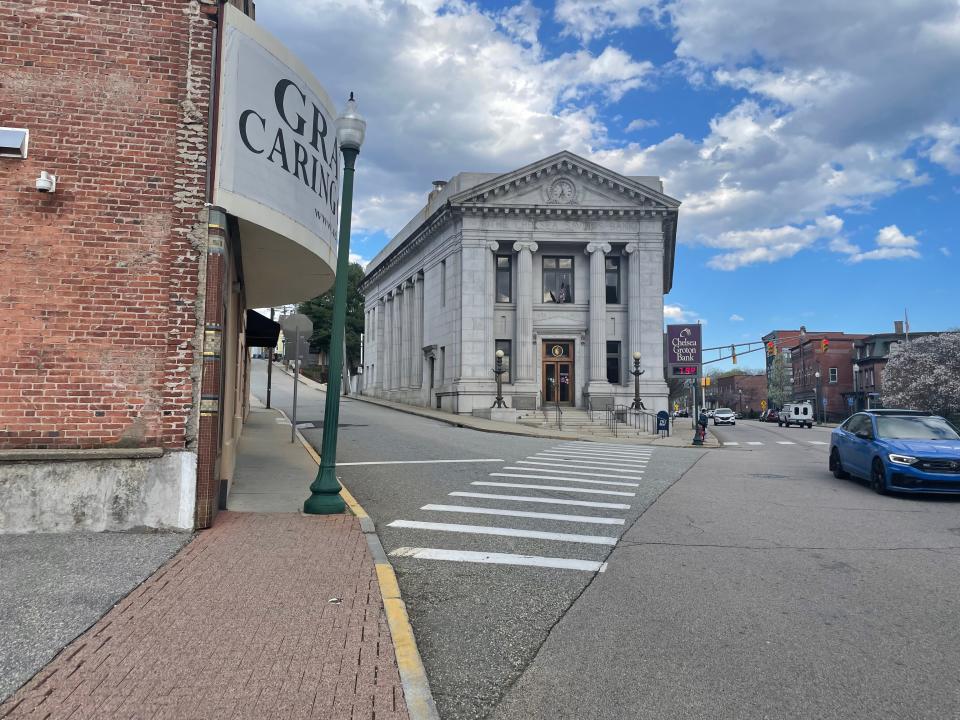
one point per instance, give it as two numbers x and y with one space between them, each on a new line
46 183
13 142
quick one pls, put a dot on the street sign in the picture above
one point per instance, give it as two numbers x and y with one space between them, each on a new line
850 401
824 401
763 404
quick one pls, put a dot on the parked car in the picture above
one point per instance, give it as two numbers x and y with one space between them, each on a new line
710 413
769 415
898 450
724 416
796 414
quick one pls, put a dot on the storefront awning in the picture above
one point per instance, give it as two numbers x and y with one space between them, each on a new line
261 331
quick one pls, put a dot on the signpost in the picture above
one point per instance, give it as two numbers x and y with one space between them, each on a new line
685 355
295 325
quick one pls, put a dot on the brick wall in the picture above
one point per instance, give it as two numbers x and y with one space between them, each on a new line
102 285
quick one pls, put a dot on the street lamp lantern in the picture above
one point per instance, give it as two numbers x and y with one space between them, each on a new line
325 489
499 370
636 372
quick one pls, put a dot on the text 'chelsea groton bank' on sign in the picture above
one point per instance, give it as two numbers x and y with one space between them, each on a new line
278 164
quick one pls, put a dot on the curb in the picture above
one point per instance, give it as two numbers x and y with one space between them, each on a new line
506 430
413 676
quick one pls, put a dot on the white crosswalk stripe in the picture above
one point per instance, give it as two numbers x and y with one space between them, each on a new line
731 443
472 510
785 442
575 468
585 481
556 464
504 532
754 443
543 500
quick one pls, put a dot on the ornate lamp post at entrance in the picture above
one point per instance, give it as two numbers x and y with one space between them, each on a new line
499 371
325 489
636 372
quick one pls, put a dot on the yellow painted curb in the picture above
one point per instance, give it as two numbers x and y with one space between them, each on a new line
416 686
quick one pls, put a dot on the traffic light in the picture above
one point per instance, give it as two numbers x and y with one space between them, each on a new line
733 353
824 345
771 349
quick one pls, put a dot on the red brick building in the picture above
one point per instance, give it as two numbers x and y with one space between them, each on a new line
740 393
824 375
123 373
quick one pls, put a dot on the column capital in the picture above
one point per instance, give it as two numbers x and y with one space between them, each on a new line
417 278
525 245
493 246
408 283
631 248
597 246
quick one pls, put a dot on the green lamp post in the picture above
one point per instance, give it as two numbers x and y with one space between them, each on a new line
325 489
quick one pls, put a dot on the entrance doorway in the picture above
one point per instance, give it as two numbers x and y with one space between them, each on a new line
558 372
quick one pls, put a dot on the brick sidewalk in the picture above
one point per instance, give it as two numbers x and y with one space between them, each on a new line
239 624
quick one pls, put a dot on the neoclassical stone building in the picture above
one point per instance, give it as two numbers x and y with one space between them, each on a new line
562 264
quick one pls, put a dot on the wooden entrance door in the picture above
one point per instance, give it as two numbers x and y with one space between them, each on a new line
558 372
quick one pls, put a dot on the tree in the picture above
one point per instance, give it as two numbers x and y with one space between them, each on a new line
925 375
320 311
778 382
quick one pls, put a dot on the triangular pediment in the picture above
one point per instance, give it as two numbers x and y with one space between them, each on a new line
565 181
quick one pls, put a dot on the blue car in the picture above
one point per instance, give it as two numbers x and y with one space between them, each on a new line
898 450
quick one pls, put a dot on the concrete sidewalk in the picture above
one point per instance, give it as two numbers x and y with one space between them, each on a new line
682 438
267 614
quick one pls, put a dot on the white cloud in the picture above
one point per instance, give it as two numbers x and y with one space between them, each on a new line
769 244
680 314
945 251
736 318
844 105
891 243
587 19
355 258
640 124
447 87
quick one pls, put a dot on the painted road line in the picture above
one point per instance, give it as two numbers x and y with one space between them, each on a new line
604 448
615 446
581 461
602 459
599 456
551 464
731 443
419 462
599 453
785 442
504 532
817 442
603 451
564 479
589 519
577 471
543 500
556 488
499 558
754 443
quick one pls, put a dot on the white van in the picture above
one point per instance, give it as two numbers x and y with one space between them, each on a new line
796 414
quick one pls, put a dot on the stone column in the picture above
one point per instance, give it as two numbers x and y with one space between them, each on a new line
387 363
633 300
408 336
524 334
598 311
416 350
379 340
396 352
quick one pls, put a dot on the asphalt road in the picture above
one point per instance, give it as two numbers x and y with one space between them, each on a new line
479 625
745 582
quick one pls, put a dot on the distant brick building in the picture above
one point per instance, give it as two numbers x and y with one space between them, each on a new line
123 372
870 355
835 368
740 393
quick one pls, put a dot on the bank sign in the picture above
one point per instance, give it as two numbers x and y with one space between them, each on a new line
277 164
684 349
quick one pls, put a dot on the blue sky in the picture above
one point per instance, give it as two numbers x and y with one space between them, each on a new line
815 146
